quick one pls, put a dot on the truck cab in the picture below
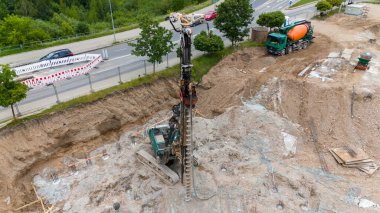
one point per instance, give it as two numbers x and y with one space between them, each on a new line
276 43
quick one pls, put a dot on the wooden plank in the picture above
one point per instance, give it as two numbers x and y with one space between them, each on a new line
344 154
369 171
336 157
38 197
24 206
360 162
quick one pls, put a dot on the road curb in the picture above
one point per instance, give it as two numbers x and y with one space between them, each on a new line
314 2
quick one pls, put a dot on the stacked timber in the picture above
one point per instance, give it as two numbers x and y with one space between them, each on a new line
354 158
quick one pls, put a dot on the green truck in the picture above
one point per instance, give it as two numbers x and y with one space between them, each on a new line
295 36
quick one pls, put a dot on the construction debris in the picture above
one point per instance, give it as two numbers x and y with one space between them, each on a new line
347 53
354 158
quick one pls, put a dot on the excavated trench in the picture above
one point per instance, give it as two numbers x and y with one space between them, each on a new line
27 148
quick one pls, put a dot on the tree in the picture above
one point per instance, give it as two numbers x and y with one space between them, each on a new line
3 10
25 8
233 19
208 43
43 9
11 91
272 19
177 5
336 3
98 10
154 41
14 30
323 6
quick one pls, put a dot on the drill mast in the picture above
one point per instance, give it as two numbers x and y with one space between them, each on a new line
183 111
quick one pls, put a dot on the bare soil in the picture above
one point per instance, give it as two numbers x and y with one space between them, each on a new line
262 135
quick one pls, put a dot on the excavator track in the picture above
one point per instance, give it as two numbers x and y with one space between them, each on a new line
164 172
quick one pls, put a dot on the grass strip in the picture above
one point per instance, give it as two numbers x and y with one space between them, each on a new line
301 2
329 14
372 2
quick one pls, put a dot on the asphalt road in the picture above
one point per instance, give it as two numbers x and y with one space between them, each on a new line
120 56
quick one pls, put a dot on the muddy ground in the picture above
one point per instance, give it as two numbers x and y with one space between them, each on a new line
253 134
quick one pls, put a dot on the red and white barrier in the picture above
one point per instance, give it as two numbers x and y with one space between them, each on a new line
60 75
54 63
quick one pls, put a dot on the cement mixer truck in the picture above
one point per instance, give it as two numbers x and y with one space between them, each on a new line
295 36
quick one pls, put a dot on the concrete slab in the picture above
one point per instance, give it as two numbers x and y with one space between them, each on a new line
334 55
347 53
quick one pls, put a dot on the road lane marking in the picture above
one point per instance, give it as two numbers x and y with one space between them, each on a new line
122 49
119 57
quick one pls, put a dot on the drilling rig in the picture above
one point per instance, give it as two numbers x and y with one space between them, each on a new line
173 141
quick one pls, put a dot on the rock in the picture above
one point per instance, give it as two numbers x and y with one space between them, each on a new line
116 206
156 187
280 206
365 203
99 198
304 207
66 207
223 168
7 200
364 94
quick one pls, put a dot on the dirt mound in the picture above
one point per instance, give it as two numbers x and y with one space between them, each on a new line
242 73
329 106
25 147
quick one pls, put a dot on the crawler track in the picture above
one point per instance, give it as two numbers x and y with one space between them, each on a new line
164 172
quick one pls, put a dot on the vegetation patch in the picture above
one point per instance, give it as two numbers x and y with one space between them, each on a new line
69 21
373 2
329 14
302 2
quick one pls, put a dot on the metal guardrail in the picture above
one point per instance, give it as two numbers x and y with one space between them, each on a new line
53 63
68 73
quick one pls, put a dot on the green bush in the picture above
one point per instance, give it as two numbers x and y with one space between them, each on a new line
208 43
336 3
99 26
50 28
323 6
14 30
82 28
67 29
271 19
38 35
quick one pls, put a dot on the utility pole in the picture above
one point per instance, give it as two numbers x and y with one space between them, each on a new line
113 25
